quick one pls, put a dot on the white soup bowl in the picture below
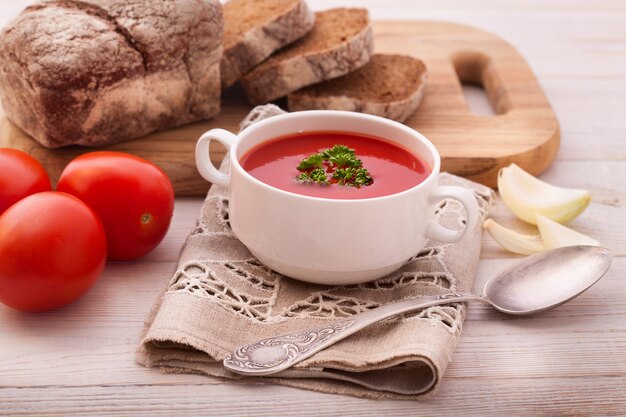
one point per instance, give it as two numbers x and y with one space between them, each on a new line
332 241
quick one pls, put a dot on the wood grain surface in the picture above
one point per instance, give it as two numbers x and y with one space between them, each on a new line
524 128
567 362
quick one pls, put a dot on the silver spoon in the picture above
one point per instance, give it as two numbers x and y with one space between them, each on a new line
537 283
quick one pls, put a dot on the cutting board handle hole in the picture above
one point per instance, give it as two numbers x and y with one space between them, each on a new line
477 100
482 87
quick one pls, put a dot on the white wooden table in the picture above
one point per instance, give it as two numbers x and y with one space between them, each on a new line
569 361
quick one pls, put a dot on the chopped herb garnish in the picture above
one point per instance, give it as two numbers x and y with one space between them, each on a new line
336 150
362 177
354 177
338 162
317 175
313 161
344 175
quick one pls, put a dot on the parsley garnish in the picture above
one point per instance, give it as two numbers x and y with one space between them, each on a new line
318 175
339 163
313 161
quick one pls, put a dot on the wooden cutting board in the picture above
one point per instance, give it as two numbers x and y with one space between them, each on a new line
524 130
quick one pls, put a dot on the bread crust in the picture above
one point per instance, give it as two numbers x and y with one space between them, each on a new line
93 72
395 109
267 83
258 43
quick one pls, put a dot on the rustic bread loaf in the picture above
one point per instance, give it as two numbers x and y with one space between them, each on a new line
254 29
92 72
340 42
390 86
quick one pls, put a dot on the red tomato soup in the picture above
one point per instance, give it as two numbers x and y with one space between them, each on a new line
392 168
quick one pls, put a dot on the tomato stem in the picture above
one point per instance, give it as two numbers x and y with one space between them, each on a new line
146 218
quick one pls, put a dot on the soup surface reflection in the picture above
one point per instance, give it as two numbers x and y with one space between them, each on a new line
392 168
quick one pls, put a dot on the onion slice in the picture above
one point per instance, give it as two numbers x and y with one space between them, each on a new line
513 241
526 195
556 235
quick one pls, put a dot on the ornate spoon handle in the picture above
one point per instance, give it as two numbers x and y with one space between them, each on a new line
275 354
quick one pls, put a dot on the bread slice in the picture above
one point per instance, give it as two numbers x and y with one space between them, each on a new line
340 42
390 86
254 29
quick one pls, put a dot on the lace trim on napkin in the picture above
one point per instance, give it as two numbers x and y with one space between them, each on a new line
202 279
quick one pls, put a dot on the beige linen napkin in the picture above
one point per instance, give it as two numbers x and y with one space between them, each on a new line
220 297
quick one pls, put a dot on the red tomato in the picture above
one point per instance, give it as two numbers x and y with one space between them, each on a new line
133 197
52 250
20 176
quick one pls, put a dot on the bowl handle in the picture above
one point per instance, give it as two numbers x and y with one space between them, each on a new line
467 199
203 155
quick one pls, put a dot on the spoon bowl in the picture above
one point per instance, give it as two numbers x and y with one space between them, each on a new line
546 280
